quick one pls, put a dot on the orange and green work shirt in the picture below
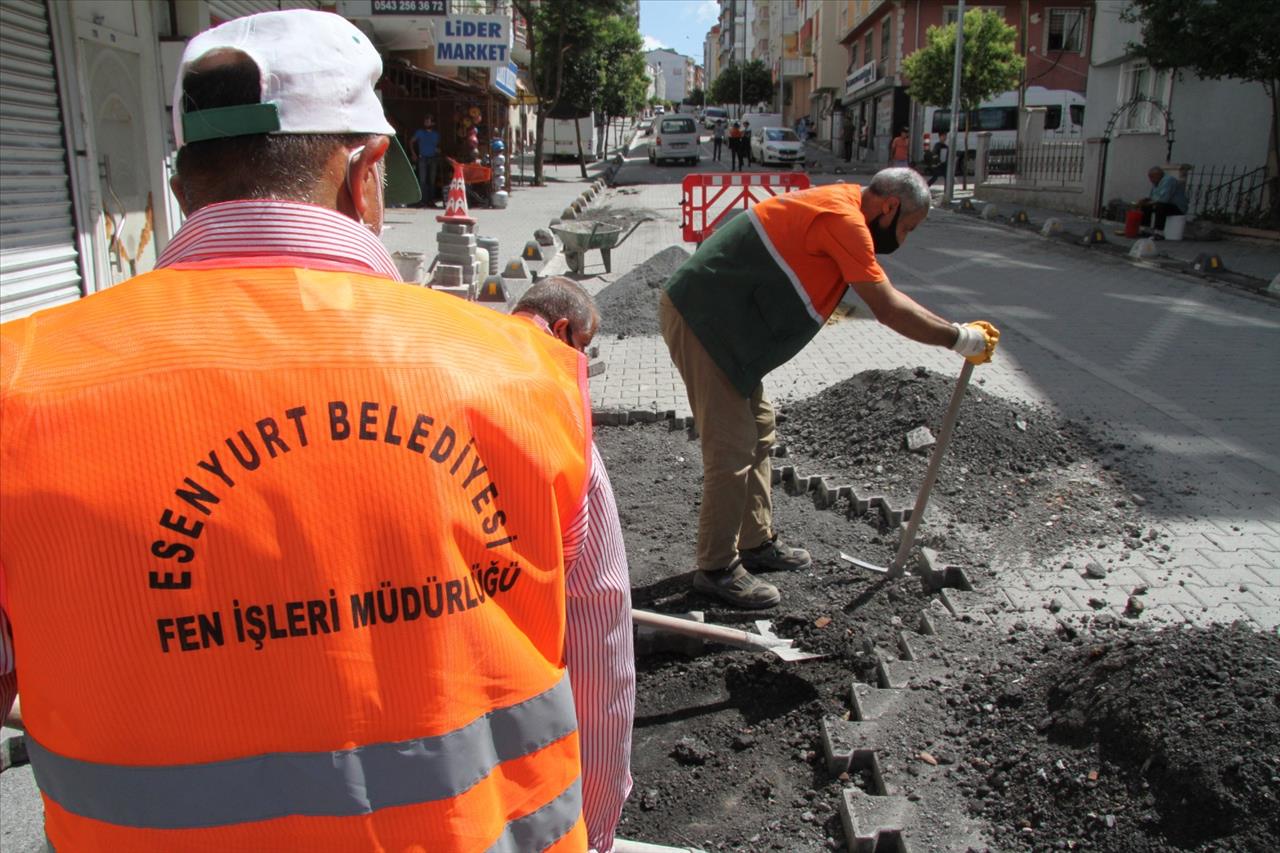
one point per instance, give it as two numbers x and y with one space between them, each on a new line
764 283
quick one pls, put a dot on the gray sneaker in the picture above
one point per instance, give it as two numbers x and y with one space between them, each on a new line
736 586
773 555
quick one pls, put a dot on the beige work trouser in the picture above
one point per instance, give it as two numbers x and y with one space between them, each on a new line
736 434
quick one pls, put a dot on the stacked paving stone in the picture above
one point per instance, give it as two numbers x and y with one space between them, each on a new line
456 242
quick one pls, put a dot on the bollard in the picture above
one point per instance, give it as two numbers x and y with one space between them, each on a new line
1051 228
989 212
967 204
532 251
1207 262
492 289
1020 218
515 269
569 213
544 237
1093 237
1143 248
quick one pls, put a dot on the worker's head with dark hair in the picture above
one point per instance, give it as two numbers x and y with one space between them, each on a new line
282 105
565 306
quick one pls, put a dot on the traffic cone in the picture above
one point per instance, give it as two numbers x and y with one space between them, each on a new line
455 205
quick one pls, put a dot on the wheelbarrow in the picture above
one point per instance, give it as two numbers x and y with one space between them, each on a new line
580 237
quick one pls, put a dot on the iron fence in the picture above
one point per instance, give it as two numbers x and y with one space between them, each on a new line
1058 163
1237 195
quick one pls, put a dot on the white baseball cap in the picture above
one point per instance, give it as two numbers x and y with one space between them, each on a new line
318 73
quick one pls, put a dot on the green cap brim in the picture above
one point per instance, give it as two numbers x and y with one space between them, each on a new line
402 180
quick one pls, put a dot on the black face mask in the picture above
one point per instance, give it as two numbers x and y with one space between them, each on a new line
885 238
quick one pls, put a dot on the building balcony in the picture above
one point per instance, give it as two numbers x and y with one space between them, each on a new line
798 66
790 21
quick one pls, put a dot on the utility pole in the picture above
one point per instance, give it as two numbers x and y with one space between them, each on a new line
1022 78
955 106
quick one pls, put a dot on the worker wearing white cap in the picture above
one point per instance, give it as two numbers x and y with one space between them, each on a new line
285 569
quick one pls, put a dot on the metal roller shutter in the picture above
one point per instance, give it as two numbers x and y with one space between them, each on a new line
39 262
225 10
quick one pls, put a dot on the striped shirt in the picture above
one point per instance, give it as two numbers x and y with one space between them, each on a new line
598 641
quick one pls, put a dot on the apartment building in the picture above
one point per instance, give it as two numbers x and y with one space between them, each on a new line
1054 36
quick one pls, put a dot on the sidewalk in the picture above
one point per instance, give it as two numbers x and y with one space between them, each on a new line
1094 338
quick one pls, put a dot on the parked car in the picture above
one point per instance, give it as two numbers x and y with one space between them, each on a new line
776 145
711 115
676 138
659 110
645 127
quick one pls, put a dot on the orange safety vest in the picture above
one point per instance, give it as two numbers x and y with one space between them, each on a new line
282 551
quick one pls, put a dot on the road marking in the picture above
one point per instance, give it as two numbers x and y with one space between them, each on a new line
1115 379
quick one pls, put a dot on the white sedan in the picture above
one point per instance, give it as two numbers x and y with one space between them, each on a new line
776 145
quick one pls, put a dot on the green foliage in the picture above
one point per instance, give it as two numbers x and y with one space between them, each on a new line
695 96
618 52
1225 38
991 62
756 85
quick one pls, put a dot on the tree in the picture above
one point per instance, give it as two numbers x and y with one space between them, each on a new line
558 32
622 79
990 65
696 96
1226 38
756 84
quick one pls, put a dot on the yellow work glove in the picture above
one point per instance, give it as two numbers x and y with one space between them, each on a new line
976 341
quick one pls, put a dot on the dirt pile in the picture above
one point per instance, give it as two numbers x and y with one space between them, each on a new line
1100 736
1015 477
629 306
1128 740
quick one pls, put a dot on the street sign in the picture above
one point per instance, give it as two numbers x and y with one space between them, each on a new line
503 78
410 7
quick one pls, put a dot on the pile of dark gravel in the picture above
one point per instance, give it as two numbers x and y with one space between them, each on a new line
629 306
1142 741
864 420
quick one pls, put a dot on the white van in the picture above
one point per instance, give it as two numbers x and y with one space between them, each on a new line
1064 116
675 137
711 115
560 139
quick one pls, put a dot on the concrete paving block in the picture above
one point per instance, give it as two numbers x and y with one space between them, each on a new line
461 290
872 703
874 824
966 605
935 618
596 368
446 239
850 745
650 641
920 647
1266 618
455 228
1212 596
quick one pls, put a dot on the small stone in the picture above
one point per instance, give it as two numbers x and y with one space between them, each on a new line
1133 607
1020 424
919 439
1095 570
928 759
1054 605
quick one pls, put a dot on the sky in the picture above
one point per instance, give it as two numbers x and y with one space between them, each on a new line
680 25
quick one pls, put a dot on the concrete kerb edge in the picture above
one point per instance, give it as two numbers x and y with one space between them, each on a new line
1173 266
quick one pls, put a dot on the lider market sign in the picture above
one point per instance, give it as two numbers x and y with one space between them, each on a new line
474 40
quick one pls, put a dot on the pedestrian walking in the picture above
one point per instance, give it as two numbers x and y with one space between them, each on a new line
424 148
941 152
899 149
735 147
748 300
717 139
320 584
746 143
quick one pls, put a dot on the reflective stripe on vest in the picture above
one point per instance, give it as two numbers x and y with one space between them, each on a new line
330 784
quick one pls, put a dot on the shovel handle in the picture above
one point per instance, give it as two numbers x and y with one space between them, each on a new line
715 633
931 474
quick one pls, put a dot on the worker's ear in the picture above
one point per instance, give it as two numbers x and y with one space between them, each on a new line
180 194
889 206
563 330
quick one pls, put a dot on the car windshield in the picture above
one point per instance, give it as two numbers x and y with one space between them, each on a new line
678 125
780 134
